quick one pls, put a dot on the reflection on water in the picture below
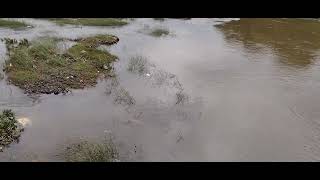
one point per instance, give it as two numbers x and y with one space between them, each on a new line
294 41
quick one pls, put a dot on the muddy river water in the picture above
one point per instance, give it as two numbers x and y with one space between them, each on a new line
214 90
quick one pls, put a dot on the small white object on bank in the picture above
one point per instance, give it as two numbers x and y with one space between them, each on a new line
24 121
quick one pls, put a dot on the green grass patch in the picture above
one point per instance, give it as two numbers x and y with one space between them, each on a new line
12 24
181 18
91 152
159 19
98 40
162 19
38 67
10 129
158 32
90 21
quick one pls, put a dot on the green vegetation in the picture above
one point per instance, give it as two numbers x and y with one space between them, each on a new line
159 32
91 152
12 24
159 19
181 18
99 40
10 129
37 67
162 19
90 21
138 64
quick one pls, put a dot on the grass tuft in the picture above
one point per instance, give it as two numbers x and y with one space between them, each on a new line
12 24
159 19
10 129
91 152
90 21
138 64
159 32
